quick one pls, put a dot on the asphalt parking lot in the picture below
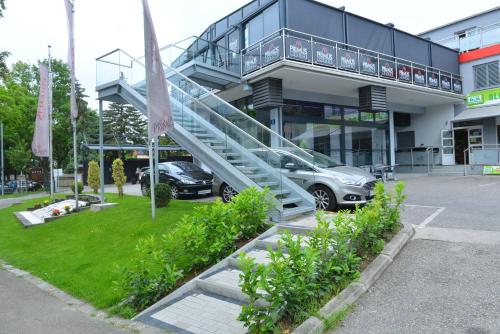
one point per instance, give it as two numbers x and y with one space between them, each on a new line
446 279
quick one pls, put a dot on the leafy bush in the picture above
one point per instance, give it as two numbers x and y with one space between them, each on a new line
201 239
163 195
251 208
151 277
93 177
80 187
119 176
303 272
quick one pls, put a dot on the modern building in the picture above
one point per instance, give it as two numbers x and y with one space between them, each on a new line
476 125
363 92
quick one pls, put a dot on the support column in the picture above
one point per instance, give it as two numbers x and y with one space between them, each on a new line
157 160
101 153
1 157
392 146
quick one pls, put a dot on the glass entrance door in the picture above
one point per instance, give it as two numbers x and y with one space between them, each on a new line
447 147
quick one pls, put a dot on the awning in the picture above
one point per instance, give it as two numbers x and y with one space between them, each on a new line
478 113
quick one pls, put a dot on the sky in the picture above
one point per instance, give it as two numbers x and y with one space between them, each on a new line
29 26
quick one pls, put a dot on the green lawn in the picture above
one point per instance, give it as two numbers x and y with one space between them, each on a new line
79 254
20 194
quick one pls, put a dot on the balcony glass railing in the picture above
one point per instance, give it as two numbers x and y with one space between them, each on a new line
474 39
201 51
296 46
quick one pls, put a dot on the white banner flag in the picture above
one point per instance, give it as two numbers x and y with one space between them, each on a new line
159 112
71 58
40 143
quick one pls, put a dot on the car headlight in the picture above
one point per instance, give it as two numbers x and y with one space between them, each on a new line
349 182
186 181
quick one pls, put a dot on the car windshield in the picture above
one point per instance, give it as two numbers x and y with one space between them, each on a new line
318 159
182 167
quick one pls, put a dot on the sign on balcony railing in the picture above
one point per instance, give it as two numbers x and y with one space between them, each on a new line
348 60
387 69
324 55
271 51
298 49
368 64
323 52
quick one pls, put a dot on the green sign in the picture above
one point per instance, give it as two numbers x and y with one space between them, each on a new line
488 96
491 170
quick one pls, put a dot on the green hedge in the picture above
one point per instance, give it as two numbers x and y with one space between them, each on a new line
202 239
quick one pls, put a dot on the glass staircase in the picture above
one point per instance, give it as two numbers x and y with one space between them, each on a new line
233 145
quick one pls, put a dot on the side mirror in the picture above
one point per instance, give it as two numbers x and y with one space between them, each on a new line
291 166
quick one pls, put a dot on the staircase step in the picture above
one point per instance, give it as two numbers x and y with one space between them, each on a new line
237 161
247 168
204 135
230 154
212 141
258 176
268 184
291 200
220 314
220 148
297 211
280 192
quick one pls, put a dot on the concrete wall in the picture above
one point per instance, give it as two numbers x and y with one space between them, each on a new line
468 24
490 130
428 126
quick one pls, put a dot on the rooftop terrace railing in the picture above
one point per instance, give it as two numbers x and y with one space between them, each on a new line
287 44
474 39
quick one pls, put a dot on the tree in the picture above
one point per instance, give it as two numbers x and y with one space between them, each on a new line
119 175
124 124
3 64
93 177
2 7
18 156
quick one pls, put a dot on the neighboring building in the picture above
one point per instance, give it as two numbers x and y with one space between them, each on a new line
360 91
477 123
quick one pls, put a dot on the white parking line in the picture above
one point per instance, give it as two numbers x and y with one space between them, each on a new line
423 206
489 184
431 217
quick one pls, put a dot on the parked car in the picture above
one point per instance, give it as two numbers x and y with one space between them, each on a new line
331 183
184 178
7 189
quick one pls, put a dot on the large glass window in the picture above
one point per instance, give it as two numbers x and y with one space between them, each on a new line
365 146
262 25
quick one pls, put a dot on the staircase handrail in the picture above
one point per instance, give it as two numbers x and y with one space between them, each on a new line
251 119
469 149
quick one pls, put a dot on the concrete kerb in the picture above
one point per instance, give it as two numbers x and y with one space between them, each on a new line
79 305
355 290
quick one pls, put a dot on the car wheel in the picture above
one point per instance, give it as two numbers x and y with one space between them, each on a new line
174 191
324 198
227 193
144 189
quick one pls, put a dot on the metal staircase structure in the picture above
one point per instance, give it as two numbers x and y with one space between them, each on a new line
232 144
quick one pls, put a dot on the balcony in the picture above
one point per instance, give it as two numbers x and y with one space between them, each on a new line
474 39
296 46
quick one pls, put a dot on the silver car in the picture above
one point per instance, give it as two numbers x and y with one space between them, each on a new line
331 183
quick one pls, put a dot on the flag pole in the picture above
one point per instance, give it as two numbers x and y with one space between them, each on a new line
51 163
73 104
152 181
1 156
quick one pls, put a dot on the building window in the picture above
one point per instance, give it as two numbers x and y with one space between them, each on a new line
262 25
486 75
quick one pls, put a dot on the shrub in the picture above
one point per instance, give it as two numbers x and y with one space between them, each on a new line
302 273
151 277
37 206
163 195
119 175
67 209
46 203
93 176
251 208
80 187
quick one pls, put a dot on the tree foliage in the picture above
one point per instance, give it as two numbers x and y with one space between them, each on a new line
93 177
2 7
18 104
124 125
119 176
18 156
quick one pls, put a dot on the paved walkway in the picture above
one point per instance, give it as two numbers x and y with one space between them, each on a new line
24 308
447 278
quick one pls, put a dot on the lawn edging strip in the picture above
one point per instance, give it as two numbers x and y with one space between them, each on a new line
356 289
78 304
